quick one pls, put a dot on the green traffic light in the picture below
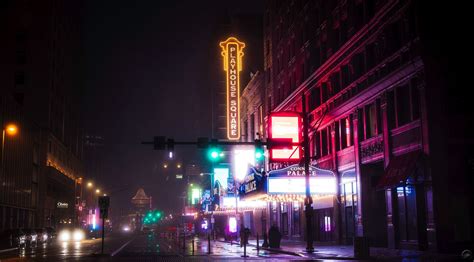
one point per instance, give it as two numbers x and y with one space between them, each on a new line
258 155
214 154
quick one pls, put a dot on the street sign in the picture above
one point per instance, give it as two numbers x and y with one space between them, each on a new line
104 202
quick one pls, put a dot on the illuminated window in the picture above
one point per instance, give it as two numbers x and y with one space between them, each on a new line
327 223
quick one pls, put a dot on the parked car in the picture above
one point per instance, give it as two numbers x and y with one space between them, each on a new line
51 232
31 236
43 235
11 238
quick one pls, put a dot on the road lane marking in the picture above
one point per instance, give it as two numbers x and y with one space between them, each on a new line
122 247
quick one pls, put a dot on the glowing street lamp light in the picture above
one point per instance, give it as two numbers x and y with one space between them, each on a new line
178 166
11 129
89 184
165 166
97 191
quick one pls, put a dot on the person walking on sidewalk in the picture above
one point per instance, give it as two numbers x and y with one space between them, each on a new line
274 237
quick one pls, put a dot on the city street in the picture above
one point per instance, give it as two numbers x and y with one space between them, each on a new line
311 130
138 247
149 247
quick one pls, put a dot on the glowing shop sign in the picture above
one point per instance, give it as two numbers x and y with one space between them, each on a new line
285 125
62 205
291 180
232 225
232 53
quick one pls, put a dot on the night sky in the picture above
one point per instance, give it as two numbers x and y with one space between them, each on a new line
147 67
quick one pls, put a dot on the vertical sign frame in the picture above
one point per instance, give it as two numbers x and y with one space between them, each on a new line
232 52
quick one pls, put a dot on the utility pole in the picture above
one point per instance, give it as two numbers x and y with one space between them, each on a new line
308 200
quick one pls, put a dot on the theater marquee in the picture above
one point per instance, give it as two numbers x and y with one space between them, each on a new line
232 53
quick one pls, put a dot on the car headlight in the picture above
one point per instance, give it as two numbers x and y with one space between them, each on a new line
45 236
78 235
65 235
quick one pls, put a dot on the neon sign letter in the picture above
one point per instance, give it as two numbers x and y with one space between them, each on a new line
232 53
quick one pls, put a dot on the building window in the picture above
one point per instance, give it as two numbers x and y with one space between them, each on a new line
260 120
370 120
402 94
325 92
252 127
327 224
317 145
415 100
314 98
345 134
324 142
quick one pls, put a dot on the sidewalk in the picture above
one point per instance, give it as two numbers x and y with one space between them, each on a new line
346 252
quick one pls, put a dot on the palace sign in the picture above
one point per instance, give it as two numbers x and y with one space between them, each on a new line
291 180
232 53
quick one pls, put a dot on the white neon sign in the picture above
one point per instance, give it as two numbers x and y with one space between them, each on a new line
296 185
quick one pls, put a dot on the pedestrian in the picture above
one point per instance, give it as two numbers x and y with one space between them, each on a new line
242 234
274 237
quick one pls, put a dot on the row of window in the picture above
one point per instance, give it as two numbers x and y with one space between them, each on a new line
391 39
403 107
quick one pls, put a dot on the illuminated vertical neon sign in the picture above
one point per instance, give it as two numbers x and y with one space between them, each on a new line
232 51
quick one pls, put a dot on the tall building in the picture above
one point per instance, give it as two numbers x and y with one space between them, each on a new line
374 80
41 73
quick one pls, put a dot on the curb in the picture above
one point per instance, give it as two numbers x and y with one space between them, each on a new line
271 249
8 249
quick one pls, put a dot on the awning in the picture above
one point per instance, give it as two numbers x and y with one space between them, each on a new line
399 169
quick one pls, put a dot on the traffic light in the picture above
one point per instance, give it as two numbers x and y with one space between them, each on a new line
215 154
152 217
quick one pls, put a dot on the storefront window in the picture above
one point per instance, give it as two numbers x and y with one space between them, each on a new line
407 217
273 213
284 219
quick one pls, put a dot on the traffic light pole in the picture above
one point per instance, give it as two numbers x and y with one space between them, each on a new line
308 200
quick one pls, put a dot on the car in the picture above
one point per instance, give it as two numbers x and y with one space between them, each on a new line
31 236
71 235
43 235
51 232
12 238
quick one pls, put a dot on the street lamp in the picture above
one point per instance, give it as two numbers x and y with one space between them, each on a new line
97 191
89 184
9 129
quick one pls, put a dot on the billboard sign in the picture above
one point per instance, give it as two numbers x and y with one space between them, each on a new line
232 53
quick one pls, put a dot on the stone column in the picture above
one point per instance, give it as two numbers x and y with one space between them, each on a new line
387 150
355 126
337 201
